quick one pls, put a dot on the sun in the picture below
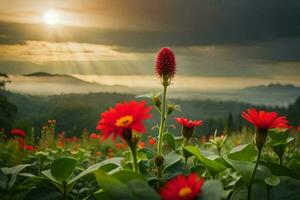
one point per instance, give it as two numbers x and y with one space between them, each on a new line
51 17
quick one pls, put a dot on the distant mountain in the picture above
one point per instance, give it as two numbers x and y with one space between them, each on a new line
48 75
42 83
273 88
39 74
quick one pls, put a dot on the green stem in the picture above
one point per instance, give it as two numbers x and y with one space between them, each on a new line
65 191
219 151
134 160
162 122
253 174
159 176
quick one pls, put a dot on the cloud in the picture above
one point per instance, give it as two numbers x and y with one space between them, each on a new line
169 22
211 38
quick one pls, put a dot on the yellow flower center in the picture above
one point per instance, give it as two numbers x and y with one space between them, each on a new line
183 192
124 121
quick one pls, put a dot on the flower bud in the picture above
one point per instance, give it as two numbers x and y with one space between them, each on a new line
171 108
159 160
187 132
156 102
127 134
260 137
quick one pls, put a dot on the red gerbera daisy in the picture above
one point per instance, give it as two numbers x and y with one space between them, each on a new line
141 145
29 148
188 123
151 141
182 188
298 128
94 136
265 120
18 132
188 126
165 66
129 115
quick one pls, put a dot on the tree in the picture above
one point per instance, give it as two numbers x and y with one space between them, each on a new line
294 113
229 124
3 81
7 113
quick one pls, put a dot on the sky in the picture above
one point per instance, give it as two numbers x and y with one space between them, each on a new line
225 41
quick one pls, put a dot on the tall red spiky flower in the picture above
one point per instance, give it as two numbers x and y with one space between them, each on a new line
165 65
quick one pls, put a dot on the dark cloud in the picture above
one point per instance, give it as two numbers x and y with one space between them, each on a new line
248 37
175 23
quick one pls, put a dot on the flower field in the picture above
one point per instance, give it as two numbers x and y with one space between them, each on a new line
122 160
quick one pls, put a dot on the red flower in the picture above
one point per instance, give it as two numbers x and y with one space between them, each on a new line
298 128
188 123
182 188
119 145
129 115
94 136
151 141
21 143
29 148
165 63
141 145
18 132
265 120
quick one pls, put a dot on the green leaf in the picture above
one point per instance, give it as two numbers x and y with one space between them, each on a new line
245 169
52 179
259 192
116 161
277 138
141 190
174 170
279 170
44 193
171 159
287 189
63 168
128 175
3 180
212 190
101 195
246 152
148 95
213 167
169 139
272 180
113 187
13 171
148 152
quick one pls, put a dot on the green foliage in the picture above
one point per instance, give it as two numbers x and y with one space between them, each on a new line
63 168
7 183
213 190
212 166
124 186
246 152
8 111
169 139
